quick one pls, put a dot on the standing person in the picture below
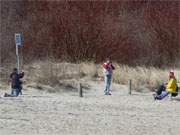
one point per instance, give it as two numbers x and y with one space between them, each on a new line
16 83
107 69
168 88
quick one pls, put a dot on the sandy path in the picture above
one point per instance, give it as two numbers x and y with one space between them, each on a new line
41 113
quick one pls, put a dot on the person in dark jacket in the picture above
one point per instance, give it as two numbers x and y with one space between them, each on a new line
16 83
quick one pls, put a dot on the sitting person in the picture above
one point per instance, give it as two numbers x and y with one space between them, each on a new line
169 88
16 83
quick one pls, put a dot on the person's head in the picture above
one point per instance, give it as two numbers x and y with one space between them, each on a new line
108 60
15 70
171 73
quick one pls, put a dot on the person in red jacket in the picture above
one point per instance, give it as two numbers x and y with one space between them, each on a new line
107 70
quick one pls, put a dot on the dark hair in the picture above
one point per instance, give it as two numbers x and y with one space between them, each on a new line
109 59
14 69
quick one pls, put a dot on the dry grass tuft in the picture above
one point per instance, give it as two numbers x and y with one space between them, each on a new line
88 69
141 76
48 72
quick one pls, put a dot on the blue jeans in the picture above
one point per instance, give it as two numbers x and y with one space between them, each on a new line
162 95
107 81
15 92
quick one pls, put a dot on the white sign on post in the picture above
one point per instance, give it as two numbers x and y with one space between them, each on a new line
18 43
18 39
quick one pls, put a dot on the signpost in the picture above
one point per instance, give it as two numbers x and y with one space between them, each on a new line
18 43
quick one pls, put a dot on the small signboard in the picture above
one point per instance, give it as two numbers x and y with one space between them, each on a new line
18 39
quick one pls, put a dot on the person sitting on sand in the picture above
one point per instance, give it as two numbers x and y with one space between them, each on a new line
16 83
107 69
168 88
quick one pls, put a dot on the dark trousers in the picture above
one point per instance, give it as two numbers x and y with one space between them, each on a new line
160 89
14 93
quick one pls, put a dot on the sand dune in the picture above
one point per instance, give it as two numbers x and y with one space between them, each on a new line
64 113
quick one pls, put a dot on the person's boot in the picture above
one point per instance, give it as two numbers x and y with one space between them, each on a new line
4 95
155 96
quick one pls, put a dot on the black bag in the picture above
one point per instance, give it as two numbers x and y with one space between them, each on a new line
175 94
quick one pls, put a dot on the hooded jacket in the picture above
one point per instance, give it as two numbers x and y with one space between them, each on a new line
15 80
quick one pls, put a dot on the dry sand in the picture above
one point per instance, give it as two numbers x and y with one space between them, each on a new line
64 113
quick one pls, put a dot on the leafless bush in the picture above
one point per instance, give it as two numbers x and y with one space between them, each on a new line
131 32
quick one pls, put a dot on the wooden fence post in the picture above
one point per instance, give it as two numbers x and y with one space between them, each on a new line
129 87
80 90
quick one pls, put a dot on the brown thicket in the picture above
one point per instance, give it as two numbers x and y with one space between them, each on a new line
132 32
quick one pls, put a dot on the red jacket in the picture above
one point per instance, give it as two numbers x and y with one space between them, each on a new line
106 66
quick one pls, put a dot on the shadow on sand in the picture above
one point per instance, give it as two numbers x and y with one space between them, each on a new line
176 99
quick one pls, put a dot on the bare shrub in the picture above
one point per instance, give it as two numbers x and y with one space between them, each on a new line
132 32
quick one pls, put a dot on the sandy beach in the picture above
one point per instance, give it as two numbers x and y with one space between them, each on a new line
65 113
53 47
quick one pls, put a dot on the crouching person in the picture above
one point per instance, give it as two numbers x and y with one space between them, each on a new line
169 88
16 83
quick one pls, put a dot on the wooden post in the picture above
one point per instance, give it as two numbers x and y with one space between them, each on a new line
80 90
129 86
